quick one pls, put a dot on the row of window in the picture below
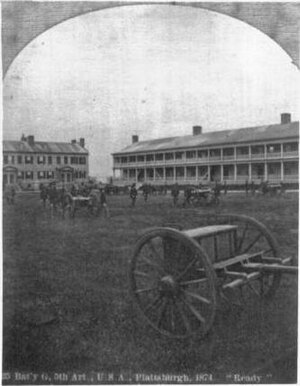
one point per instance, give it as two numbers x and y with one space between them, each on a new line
43 160
41 175
289 168
190 154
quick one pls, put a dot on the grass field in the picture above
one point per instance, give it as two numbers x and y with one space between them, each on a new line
67 307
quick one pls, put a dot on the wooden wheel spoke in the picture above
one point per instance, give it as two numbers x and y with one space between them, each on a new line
195 312
152 264
189 266
142 290
184 318
252 243
197 297
154 250
239 247
154 303
162 311
172 320
195 281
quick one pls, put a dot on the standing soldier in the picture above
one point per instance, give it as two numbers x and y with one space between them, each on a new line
133 195
43 194
175 194
145 192
103 202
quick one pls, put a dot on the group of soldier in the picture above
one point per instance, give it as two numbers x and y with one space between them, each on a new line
64 197
175 192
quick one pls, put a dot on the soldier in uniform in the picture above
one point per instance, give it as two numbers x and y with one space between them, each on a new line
175 194
133 194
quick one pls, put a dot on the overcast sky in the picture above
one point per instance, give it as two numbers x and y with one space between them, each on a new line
153 70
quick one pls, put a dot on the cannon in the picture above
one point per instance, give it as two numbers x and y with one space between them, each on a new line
178 276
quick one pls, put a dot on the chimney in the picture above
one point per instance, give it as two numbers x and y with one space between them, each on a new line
30 140
285 118
197 130
73 141
135 138
81 142
23 138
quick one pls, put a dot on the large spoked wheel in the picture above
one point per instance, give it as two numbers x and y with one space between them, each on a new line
173 283
253 237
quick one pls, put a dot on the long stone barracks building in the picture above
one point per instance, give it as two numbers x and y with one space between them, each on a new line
30 163
268 153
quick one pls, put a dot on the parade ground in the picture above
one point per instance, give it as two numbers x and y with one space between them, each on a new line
67 307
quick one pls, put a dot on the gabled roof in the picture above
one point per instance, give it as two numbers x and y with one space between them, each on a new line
43 147
215 138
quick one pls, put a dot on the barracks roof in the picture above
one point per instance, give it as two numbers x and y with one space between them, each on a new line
245 135
43 147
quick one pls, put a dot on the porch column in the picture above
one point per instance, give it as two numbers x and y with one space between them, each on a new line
174 174
234 172
208 172
281 171
222 171
154 172
250 172
197 173
164 174
266 172
136 175
184 173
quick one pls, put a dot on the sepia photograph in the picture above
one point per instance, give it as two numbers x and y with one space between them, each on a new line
150 192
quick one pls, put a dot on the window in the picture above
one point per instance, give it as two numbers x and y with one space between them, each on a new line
50 175
149 157
292 146
12 159
169 156
190 154
5 159
41 159
28 159
49 160
82 160
140 158
242 150
228 152
179 155
20 159
159 157
132 158
58 160
276 148
65 160
41 175
215 153
202 153
29 175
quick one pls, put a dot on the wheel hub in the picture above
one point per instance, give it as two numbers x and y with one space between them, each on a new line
168 286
